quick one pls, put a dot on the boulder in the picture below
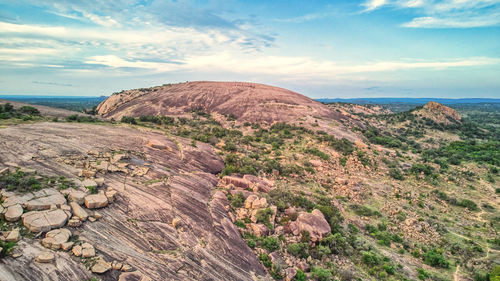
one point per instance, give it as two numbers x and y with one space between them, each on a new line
86 174
55 238
258 184
45 257
88 250
77 250
94 201
101 266
67 246
259 203
10 199
13 235
44 203
77 196
158 144
13 213
314 223
89 183
41 221
238 182
75 222
111 194
116 265
249 201
259 229
78 211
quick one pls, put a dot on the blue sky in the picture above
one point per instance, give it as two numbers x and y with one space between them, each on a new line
369 48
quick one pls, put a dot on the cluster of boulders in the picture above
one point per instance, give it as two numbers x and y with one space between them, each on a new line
313 223
49 208
60 239
246 183
96 162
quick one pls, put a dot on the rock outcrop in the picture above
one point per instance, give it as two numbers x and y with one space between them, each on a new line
137 228
247 101
314 223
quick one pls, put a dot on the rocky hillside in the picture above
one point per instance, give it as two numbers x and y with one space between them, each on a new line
439 113
201 196
247 102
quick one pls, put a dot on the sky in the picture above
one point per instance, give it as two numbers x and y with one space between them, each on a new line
323 49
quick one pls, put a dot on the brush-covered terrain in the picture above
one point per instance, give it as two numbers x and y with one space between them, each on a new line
212 192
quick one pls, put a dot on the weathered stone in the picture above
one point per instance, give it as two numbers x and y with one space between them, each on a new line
13 236
87 250
55 238
86 174
89 183
258 184
75 222
259 203
133 276
77 250
111 194
44 203
92 219
239 182
157 144
77 196
41 221
67 246
101 266
96 201
116 265
118 157
78 211
102 166
16 199
140 171
13 213
249 201
96 215
99 181
314 223
260 230
45 257
126 268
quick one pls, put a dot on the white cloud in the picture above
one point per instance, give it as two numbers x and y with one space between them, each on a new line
445 13
374 4
453 22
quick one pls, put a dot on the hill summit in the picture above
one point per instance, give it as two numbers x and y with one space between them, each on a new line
248 102
439 113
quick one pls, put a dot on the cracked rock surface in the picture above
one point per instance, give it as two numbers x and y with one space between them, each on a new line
172 180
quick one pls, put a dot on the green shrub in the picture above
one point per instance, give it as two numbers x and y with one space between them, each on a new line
370 258
435 258
271 244
128 119
266 261
317 152
321 274
237 200
298 250
300 276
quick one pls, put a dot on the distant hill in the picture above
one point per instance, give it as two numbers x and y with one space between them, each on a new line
248 102
412 101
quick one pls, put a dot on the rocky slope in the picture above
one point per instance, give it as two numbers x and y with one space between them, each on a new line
246 101
165 222
439 113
